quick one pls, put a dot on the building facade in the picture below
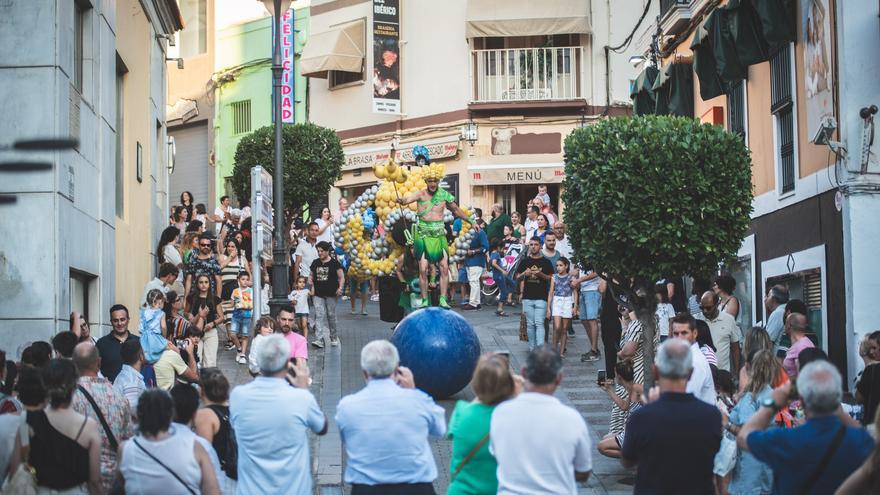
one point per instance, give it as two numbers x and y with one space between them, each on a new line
101 69
492 94
242 84
772 72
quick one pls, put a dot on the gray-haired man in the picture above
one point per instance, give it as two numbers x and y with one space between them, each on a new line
385 428
673 439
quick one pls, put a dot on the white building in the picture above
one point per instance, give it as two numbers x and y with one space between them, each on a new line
80 237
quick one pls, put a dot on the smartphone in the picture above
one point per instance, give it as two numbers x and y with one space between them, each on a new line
601 377
290 370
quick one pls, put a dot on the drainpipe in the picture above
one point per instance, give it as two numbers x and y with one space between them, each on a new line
607 50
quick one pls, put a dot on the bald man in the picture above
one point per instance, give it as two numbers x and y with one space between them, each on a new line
797 329
96 398
725 334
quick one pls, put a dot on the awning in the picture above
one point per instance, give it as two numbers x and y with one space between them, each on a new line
727 63
744 28
777 21
674 91
642 92
339 49
704 64
527 17
504 174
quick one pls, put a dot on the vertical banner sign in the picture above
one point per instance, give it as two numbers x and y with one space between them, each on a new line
288 52
386 56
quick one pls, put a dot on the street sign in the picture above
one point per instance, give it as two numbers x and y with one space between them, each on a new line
262 223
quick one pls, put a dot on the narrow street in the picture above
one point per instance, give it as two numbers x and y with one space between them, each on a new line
336 372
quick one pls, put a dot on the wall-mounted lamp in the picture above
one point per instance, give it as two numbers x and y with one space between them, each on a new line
470 132
172 153
170 37
636 60
824 134
179 61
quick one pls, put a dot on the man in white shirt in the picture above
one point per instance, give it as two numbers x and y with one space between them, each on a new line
222 213
547 456
167 276
531 222
562 244
725 333
129 382
700 383
306 253
774 303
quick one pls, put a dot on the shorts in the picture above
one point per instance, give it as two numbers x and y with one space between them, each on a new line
462 274
302 315
240 325
453 273
590 302
355 287
561 306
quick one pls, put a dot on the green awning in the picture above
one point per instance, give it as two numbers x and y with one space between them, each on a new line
674 91
704 64
727 62
642 92
743 26
777 21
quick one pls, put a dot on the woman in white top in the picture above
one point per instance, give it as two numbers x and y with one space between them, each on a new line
325 227
159 460
665 312
168 249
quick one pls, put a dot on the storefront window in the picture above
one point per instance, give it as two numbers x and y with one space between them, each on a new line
805 285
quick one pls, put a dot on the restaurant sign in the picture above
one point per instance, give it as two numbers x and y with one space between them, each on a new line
367 159
537 174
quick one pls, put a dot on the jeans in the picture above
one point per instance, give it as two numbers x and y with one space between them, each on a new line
325 316
535 311
474 273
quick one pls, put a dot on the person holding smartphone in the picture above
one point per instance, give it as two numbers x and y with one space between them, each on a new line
611 444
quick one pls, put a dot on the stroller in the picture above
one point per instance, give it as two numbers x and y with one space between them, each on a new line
489 288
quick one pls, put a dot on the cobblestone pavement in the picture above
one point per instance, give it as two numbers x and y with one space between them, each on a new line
336 372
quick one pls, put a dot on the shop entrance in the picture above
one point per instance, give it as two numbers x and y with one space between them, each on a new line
517 197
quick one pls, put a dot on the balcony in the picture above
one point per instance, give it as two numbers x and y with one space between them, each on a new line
675 15
519 75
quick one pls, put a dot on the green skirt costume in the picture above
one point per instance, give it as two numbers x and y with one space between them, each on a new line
430 241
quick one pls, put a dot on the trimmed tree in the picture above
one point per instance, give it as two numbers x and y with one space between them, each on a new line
651 197
312 160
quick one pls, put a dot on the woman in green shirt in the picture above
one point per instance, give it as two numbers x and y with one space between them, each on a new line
473 468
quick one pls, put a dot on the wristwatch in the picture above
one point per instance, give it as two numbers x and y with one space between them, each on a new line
769 402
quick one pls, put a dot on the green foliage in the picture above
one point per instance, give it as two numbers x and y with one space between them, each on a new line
312 160
656 195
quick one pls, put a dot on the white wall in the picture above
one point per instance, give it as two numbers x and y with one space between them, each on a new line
858 38
613 21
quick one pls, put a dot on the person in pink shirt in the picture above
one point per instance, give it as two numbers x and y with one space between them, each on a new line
796 326
286 320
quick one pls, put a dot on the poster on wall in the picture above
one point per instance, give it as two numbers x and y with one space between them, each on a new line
818 63
386 56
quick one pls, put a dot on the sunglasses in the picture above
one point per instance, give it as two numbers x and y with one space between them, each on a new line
205 245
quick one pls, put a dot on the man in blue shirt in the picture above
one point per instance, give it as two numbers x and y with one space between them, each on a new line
475 263
271 417
385 428
819 455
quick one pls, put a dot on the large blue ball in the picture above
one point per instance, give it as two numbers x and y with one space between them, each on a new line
440 347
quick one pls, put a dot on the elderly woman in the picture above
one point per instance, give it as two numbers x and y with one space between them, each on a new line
473 468
65 446
161 460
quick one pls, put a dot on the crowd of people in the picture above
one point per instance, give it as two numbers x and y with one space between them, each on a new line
151 412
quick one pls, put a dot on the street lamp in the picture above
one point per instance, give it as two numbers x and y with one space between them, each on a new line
280 256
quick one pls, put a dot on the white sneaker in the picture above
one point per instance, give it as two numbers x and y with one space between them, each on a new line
334 342
241 359
319 343
374 298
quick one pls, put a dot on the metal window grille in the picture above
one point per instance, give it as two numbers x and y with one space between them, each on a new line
782 106
736 109
241 117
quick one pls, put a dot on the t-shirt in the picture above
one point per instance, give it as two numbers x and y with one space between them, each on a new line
468 425
327 235
198 266
220 212
790 363
110 350
309 254
725 333
665 311
300 297
701 383
243 302
325 277
674 441
298 346
169 365
496 258
591 284
540 456
552 258
563 247
678 300
535 287
794 453
869 388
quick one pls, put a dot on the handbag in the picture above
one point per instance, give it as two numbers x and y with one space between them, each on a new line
523 328
22 482
470 456
725 458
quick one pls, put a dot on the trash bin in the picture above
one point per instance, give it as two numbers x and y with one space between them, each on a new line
389 296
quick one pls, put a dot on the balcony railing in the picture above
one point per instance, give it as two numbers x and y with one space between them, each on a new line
527 74
666 5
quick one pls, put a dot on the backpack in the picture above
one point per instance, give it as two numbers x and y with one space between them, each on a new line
228 454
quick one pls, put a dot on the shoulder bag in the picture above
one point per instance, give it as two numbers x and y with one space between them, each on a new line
114 446
470 456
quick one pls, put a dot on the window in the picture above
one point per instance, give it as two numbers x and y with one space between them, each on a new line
339 78
193 39
83 292
241 116
805 285
736 109
79 28
121 70
782 108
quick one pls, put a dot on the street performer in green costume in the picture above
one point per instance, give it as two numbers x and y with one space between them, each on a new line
429 240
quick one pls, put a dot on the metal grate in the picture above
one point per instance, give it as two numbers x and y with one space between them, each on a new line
736 109
241 117
782 106
813 290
